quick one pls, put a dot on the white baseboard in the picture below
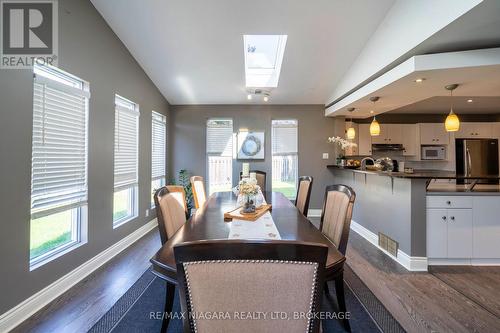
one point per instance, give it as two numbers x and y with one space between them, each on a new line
31 305
416 264
314 213
464 262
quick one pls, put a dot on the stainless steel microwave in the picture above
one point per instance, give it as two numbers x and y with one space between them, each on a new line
433 153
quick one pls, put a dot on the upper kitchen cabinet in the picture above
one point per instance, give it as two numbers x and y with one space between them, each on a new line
495 130
410 139
352 151
433 134
474 130
389 134
364 140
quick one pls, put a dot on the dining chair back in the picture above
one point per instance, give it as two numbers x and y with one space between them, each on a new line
199 194
261 178
252 277
337 213
304 194
171 210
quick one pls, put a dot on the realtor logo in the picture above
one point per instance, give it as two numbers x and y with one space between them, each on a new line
29 33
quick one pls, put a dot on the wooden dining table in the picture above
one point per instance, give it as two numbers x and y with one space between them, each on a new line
208 224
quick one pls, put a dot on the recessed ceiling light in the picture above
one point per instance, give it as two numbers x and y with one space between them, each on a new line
266 98
420 80
470 100
249 96
371 111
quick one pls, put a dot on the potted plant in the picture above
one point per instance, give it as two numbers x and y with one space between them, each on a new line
343 144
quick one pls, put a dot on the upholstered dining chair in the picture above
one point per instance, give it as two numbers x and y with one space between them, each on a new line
252 277
335 225
261 178
199 194
171 210
304 194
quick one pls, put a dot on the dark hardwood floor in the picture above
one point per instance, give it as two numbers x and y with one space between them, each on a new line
449 299
80 308
421 301
480 284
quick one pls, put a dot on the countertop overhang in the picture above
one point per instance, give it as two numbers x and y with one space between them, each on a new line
416 175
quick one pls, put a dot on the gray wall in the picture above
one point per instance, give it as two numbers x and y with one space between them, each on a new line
188 138
393 206
89 49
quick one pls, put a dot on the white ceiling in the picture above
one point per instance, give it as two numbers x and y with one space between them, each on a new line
477 72
441 105
479 28
193 50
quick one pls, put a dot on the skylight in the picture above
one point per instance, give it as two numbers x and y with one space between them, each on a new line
263 58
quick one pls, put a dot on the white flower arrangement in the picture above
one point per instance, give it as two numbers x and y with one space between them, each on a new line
343 143
248 186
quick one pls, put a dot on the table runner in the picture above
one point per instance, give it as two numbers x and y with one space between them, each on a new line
262 228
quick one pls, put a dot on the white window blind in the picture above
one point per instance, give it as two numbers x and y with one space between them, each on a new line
126 166
284 137
285 156
158 145
60 136
220 154
220 137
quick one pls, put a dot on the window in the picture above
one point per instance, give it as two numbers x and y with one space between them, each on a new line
125 199
263 58
59 164
158 151
285 158
220 155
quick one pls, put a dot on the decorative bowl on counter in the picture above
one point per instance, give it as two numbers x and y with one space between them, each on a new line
384 164
374 167
352 164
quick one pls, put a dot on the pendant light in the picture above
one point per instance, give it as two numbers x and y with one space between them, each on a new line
374 126
452 123
351 132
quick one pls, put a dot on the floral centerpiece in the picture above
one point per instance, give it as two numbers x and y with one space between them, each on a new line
343 144
248 189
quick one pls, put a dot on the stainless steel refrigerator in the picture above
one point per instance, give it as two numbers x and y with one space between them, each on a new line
476 158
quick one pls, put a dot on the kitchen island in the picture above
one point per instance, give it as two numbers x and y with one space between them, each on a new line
396 206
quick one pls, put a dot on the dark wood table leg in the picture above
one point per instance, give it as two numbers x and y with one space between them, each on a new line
169 302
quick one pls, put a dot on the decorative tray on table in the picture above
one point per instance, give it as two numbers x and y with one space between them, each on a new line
238 214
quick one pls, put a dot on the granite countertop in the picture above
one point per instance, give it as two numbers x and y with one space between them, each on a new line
417 174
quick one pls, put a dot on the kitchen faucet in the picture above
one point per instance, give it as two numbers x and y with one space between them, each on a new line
363 162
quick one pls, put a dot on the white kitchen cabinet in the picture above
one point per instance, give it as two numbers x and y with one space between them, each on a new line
410 139
474 130
352 151
437 233
382 137
486 227
433 134
449 233
389 134
459 233
495 130
463 227
364 140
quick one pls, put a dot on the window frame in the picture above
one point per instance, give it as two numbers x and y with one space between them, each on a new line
208 155
64 82
295 155
163 178
133 197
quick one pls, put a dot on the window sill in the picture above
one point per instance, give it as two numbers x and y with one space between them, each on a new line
124 220
39 262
